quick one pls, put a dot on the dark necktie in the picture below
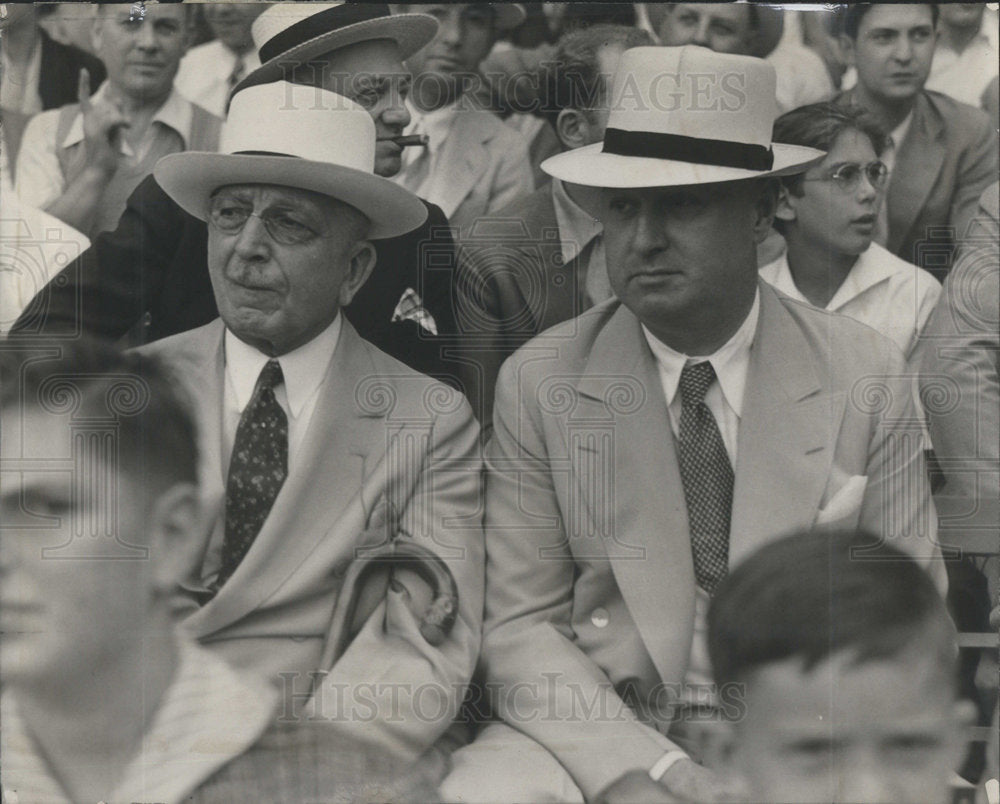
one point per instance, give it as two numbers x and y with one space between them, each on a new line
257 469
707 476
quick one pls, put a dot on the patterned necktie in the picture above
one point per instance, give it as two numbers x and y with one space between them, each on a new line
257 469
707 476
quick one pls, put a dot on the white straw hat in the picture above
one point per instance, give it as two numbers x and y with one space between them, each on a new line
294 136
685 115
289 34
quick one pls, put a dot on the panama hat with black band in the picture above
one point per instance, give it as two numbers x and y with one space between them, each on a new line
308 139
290 34
685 115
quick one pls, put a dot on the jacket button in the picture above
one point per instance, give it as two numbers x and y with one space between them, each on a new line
599 617
147 319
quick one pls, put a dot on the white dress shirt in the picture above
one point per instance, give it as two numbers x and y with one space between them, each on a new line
304 370
420 172
964 76
888 157
882 291
581 234
204 75
724 399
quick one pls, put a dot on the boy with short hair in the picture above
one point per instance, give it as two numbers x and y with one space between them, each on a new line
842 658
828 217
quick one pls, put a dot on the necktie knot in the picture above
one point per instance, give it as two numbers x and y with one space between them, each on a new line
695 381
270 377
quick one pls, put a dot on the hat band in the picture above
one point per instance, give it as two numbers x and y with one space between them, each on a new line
322 23
694 150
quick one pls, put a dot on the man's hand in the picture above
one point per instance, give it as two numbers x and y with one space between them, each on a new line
103 129
635 787
686 780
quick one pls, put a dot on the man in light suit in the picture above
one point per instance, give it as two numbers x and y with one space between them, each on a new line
473 163
942 153
645 447
322 447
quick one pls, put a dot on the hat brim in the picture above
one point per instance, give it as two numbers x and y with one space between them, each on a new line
410 31
190 177
591 167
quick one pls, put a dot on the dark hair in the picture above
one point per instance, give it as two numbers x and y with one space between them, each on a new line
818 125
156 440
811 595
852 13
572 79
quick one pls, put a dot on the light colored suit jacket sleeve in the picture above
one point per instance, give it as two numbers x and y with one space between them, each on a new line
391 687
545 685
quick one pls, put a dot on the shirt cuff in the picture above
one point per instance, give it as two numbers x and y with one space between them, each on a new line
665 763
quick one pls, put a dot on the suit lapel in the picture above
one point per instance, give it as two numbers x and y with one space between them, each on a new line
323 483
787 434
922 152
464 158
625 467
551 293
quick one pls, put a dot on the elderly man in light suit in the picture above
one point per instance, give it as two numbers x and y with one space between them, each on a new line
645 447
322 447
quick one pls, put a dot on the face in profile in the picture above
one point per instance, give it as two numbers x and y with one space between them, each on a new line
877 731
74 575
840 197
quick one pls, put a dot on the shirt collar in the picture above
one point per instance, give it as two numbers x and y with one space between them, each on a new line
304 368
206 704
176 113
874 266
577 227
731 361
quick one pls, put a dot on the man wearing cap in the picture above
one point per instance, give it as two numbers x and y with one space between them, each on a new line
474 163
642 449
320 447
147 279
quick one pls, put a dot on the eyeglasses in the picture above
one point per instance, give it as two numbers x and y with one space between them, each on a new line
847 177
230 216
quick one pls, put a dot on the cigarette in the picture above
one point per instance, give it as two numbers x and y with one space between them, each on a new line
408 140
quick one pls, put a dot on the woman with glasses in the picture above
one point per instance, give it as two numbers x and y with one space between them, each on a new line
828 217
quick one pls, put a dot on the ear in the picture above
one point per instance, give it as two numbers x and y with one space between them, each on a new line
785 210
573 129
176 538
360 266
764 209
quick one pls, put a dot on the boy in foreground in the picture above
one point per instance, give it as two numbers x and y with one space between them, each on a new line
844 659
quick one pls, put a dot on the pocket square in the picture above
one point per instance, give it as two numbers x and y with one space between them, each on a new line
411 308
844 507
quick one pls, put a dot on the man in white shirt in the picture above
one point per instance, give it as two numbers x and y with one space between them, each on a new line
642 449
319 447
966 57
209 72
81 162
473 163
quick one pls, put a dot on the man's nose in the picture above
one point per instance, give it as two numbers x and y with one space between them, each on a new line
253 241
864 780
701 34
650 235
396 114
146 36
903 51
450 30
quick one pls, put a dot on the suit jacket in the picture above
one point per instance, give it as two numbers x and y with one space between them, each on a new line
484 166
59 72
590 580
387 450
946 160
961 347
512 284
148 279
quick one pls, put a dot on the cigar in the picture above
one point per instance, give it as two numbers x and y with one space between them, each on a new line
408 140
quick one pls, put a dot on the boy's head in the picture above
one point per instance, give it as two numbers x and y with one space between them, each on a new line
845 658
99 508
891 46
834 205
